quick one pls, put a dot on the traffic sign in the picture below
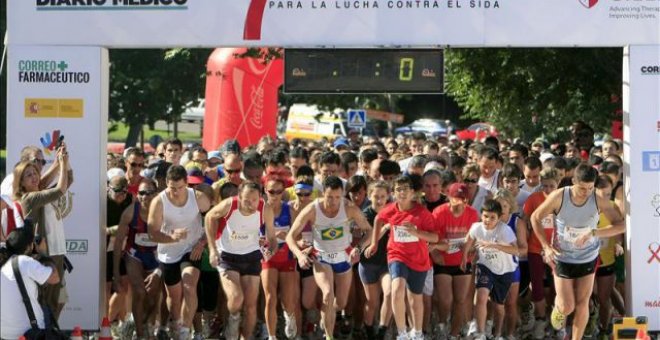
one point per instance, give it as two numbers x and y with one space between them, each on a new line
357 118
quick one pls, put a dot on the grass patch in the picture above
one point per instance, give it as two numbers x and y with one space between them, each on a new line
3 162
121 131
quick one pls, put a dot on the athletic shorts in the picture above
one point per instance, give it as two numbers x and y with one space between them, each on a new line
109 263
371 273
282 261
605 270
246 264
428 283
516 275
337 267
414 280
498 285
147 258
575 270
620 268
172 271
304 272
452 270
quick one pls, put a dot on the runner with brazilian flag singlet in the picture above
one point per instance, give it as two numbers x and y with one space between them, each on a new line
573 253
412 227
232 231
331 218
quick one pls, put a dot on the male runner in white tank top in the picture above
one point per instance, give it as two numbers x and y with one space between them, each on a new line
331 218
574 251
232 231
175 223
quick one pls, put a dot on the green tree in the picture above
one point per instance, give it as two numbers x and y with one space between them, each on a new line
506 87
150 85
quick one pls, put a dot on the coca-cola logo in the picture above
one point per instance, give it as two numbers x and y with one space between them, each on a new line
257 98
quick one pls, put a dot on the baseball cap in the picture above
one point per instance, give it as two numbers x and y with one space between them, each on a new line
340 142
230 146
214 154
114 172
458 190
195 175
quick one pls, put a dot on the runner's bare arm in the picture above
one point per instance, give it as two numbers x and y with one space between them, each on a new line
306 215
467 248
551 204
361 223
270 228
122 231
155 221
211 222
521 235
511 248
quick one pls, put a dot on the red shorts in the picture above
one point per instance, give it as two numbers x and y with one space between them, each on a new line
283 260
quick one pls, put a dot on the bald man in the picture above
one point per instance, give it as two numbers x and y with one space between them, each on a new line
232 166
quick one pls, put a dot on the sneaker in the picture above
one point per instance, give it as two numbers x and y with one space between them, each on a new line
489 328
402 336
345 326
479 336
539 329
161 334
290 329
452 337
440 331
127 329
591 330
472 328
527 318
561 334
557 319
184 333
416 335
198 336
233 325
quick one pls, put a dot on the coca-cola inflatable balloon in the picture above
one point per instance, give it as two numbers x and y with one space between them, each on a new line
241 98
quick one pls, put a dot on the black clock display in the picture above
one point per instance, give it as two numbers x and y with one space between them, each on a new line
363 71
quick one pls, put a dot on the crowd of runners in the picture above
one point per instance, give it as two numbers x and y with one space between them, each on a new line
360 237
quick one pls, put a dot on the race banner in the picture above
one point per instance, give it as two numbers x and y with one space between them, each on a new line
345 23
642 172
63 91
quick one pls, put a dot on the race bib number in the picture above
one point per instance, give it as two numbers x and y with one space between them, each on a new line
548 222
403 236
455 245
238 239
143 240
490 256
333 257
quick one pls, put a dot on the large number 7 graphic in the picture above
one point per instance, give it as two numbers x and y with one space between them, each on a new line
255 14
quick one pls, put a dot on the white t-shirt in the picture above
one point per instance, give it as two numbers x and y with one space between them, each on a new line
14 320
524 186
497 261
521 199
54 230
490 183
7 186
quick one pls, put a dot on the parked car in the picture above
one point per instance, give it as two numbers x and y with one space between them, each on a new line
477 131
431 127
194 114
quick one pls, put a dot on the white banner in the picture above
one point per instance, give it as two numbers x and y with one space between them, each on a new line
211 23
641 101
63 91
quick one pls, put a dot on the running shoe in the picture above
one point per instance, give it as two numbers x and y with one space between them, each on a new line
290 329
440 331
233 325
557 319
539 329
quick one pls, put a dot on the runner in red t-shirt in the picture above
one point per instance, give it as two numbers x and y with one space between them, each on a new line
453 222
407 252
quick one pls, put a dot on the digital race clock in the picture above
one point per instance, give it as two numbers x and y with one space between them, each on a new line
363 71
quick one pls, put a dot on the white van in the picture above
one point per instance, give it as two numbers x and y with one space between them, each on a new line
309 122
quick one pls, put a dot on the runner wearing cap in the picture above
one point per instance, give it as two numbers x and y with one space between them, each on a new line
175 223
573 254
411 228
232 231
332 256
453 222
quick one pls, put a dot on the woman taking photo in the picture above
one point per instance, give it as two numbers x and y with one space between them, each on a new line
41 206
14 320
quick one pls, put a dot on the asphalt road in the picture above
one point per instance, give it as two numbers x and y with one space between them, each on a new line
183 126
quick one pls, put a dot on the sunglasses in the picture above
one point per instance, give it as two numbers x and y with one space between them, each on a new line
470 180
118 190
275 192
303 194
41 162
232 171
136 165
146 192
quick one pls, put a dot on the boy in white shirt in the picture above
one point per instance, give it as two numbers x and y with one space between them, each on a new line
496 245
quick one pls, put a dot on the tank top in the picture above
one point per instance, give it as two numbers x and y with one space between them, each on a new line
240 234
174 217
331 234
138 235
513 220
571 223
479 199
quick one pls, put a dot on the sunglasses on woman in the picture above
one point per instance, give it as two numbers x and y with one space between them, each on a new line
303 194
275 192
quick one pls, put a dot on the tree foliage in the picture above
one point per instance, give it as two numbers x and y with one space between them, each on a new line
150 85
506 87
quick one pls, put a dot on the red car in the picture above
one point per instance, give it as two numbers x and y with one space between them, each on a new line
477 131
